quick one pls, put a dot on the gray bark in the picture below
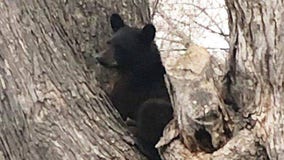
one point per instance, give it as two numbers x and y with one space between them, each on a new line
257 69
51 106
243 111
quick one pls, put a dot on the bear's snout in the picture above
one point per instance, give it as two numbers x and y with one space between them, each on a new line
106 59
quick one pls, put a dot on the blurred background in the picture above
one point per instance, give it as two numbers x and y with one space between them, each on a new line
181 22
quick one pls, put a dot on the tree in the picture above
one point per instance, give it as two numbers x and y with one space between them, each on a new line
256 69
182 21
51 107
242 117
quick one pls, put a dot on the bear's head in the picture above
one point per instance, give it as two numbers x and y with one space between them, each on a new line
129 48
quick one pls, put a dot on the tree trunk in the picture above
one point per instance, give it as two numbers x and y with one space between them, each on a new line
256 67
51 107
239 116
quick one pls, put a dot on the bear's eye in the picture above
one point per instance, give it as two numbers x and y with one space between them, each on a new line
108 42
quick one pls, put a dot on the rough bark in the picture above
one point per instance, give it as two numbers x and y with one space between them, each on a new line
243 113
199 113
257 69
51 107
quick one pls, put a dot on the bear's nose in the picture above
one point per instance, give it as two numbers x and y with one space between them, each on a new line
99 59
107 63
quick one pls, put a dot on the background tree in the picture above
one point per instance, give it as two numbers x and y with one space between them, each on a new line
51 106
181 22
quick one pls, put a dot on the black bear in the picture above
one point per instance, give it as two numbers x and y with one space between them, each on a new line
140 93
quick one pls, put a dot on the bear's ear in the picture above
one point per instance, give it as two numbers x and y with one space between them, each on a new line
148 33
116 22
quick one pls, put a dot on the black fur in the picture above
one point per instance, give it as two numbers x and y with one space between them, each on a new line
140 93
